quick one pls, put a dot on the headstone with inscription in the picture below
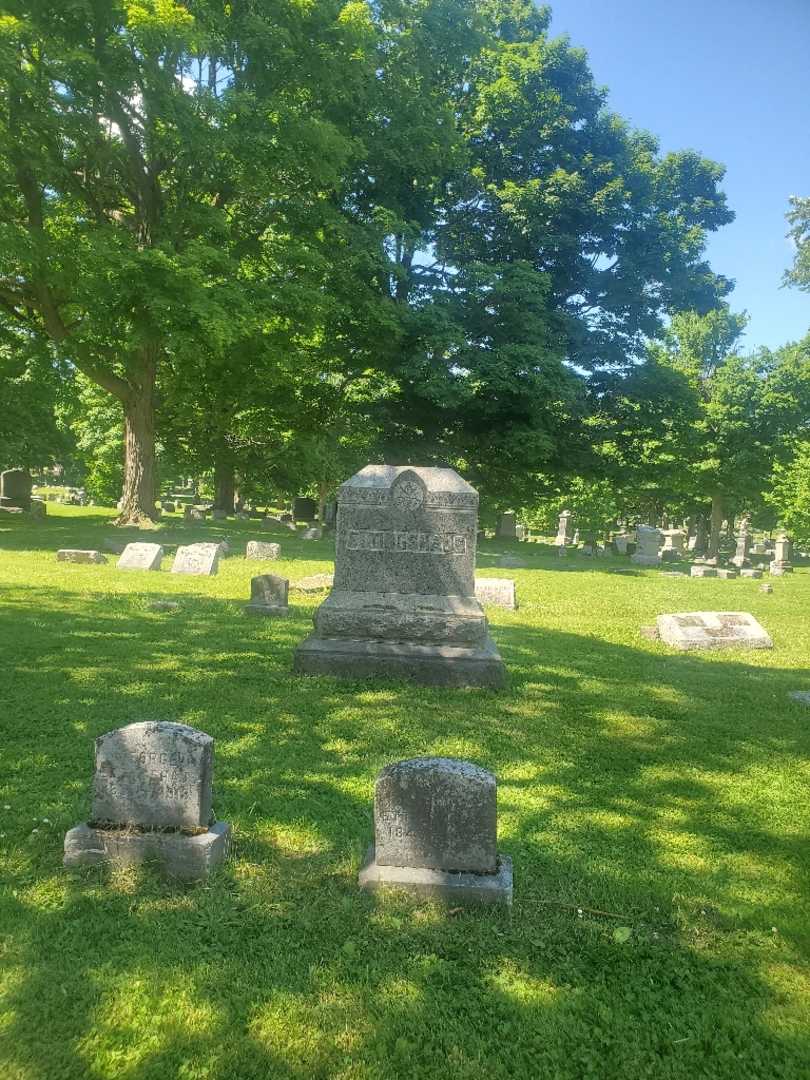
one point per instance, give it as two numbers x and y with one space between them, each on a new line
259 549
507 526
712 630
152 801
500 592
268 595
197 559
141 556
435 833
15 488
403 601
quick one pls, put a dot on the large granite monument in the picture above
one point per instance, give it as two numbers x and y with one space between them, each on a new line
435 826
15 488
403 602
152 801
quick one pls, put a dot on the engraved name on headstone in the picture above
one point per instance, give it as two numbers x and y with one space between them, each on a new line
500 592
141 556
258 549
197 559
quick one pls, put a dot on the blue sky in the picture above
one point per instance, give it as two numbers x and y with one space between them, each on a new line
729 78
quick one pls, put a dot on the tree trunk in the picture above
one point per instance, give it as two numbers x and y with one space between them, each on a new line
138 495
717 524
224 484
323 491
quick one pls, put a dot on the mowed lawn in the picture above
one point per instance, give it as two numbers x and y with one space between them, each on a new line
656 806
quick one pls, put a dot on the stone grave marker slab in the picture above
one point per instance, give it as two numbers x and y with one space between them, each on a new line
500 592
15 488
699 570
268 595
153 774
141 556
79 556
197 559
435 832
713 630
314 583
258 549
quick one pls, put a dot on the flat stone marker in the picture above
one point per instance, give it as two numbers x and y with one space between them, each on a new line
802 696
751 573
403 602
152 800
727 573
312 534
511 562
258 549
500 592
314 583
197 559
78 556
703 571
713 630
435 833
141 557
766 588
268 595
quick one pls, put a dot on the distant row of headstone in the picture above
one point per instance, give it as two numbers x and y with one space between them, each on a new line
435 819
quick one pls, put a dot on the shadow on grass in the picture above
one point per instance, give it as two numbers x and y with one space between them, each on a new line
649 785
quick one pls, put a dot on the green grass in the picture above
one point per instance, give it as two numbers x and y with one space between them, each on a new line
668 790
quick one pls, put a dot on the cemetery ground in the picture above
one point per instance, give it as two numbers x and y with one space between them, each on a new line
654 804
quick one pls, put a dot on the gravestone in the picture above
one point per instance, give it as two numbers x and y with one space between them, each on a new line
141 557
15 488
38 509
740 556
435 833
727 572
766 588
565 529
673 548
697 542
268 595
152 800
712 630
78 556
648 541
403 601
781 557
751 572
166 506
258 549
621 543
312 534
703 571
304 509
330 514
507 526
314 583
197 559
500 592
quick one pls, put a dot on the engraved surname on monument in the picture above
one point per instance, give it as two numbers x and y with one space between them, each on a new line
410 542
394 825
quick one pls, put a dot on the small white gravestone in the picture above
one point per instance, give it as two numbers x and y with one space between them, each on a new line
699 570
78 556
141 557
197 559
258 549
499 592
713 630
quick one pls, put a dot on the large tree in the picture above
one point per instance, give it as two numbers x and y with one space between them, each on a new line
148 149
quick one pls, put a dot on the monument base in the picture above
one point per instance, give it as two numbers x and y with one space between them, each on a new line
186 858
454 888
430 665
267 609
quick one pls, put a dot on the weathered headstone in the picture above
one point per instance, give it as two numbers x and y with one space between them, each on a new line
750 572
435 833
507 526
712 630
38 509
330 514
79 556
673 548
727 572
565 529
697 542
304 509
500 592
141 557
268 595
152 800
403 602
197 559
166 506
648 541
258 549
312 534
15 488
314 583
743 547
782 551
